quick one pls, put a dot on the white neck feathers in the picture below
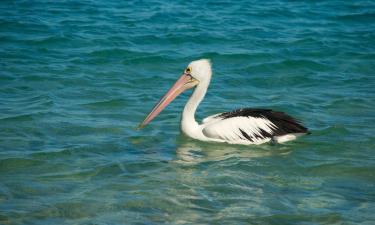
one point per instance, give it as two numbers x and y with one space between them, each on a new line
188 124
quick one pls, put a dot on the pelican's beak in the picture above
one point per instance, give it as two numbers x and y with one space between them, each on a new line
185 82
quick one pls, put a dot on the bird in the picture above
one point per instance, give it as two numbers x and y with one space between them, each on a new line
245 126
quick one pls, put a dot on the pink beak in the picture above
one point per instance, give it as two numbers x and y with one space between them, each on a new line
185 82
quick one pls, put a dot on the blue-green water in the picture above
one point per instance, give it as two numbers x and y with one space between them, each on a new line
76 78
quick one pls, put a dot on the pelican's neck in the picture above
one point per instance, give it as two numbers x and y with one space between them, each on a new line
188 124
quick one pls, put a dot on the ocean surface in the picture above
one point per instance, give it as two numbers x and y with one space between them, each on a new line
77 77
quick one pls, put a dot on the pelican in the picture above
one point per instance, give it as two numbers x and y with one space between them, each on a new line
244 126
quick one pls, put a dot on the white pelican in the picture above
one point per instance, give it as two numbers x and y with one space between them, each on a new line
242 126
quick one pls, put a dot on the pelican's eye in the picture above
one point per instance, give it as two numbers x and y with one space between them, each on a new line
188 70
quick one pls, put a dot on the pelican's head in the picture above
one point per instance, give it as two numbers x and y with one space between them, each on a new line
200 69
196 72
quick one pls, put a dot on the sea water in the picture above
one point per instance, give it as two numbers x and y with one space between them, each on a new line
77 77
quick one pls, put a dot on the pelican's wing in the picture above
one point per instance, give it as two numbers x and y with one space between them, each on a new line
252 126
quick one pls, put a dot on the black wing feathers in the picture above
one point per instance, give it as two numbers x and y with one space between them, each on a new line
284 123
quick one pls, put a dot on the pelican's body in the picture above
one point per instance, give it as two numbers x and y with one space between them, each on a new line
244 126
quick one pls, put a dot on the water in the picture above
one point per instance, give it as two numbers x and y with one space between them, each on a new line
76 78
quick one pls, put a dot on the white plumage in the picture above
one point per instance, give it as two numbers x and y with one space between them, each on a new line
230 129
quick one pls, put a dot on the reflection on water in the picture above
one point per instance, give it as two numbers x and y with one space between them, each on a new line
190 151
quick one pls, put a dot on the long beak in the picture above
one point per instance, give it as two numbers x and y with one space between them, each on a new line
186 81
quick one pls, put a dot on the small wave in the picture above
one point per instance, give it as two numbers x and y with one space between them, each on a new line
332 129
51 154
290 65
113 103
82 174
48 41
15 164
5 78
248 56
357 17
113 52
18 118
151 59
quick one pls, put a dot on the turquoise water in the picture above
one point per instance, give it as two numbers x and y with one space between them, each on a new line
76 78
